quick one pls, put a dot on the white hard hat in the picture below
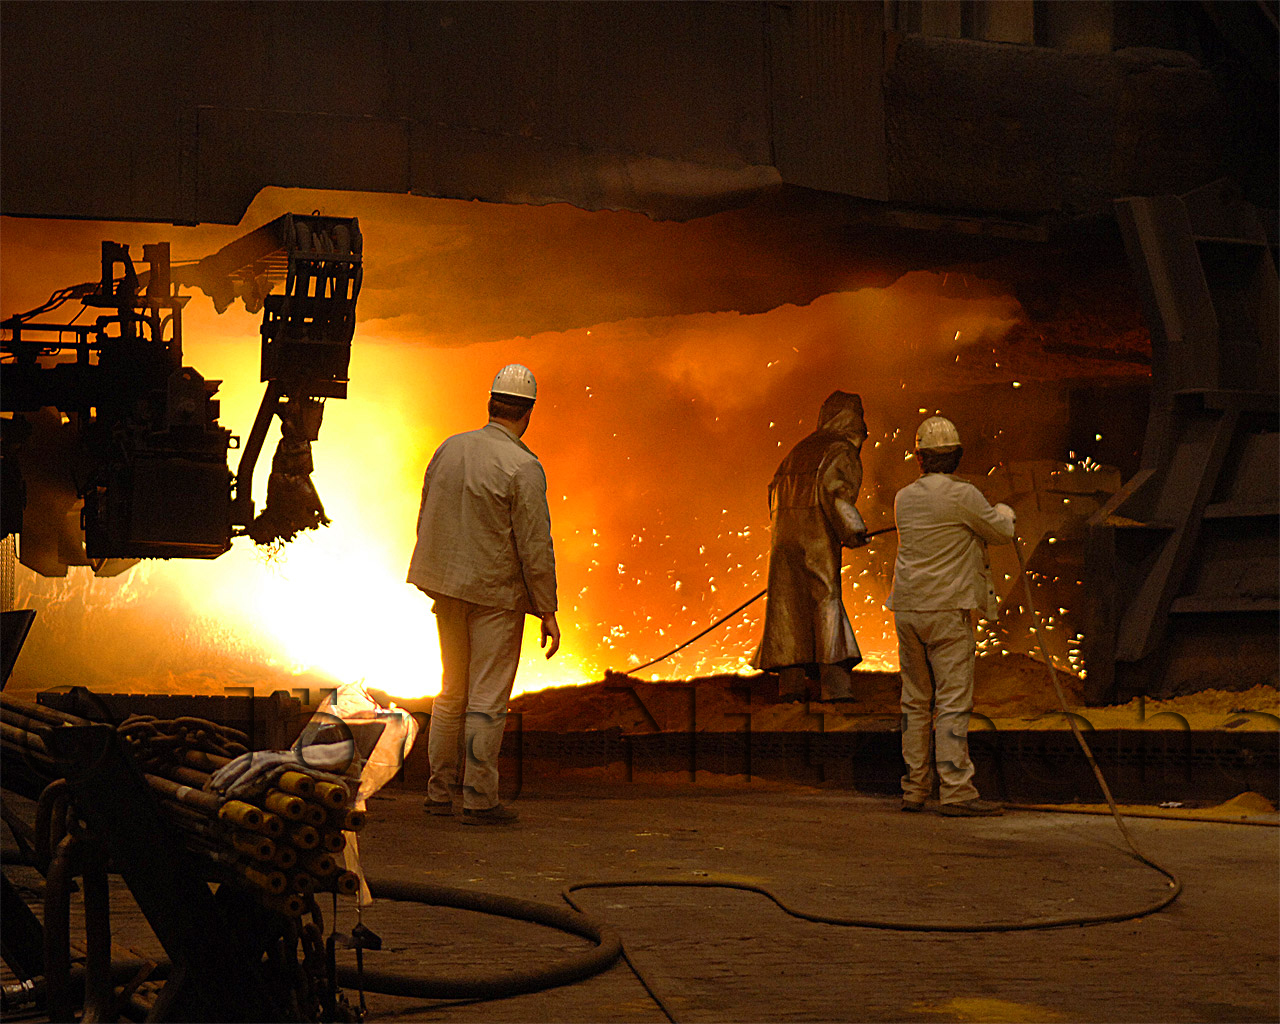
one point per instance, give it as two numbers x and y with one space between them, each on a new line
515 380
937 434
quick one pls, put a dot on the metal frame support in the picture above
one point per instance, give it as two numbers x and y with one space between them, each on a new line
215 976
1181 564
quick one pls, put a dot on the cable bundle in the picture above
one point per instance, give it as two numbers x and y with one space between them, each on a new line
284 837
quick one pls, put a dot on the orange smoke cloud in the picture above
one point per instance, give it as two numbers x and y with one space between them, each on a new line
659 435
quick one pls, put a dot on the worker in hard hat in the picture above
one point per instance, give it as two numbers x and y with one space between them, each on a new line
807 636
940 578
484 556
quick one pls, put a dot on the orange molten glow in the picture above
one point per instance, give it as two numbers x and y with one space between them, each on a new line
659 437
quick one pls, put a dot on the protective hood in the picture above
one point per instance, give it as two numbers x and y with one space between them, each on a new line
841 413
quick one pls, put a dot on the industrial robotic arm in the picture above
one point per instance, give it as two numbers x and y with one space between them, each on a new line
106 422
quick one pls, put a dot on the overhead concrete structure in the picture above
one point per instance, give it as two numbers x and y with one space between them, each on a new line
941 114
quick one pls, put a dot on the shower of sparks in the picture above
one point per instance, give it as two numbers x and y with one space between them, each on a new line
659 438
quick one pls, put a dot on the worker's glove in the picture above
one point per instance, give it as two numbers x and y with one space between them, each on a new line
1005 511
851 525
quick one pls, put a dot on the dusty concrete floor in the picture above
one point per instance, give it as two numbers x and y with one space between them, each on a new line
721 955
732 956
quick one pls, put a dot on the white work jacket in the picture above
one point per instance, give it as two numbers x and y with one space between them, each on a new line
944 526
484 530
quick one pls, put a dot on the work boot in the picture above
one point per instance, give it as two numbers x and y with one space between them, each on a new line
912 805
793 685
836 682
972 809
495 815
437 807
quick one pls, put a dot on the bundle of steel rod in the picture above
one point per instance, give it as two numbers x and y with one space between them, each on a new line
24 728
285 841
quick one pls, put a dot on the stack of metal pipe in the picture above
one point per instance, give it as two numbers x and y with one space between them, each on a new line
285 841
23 729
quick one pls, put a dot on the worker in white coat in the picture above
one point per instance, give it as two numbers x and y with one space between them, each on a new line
484 556
940 578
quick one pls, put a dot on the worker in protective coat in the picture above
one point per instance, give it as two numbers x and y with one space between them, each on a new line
807 635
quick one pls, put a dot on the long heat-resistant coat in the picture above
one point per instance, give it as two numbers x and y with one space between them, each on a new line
811 500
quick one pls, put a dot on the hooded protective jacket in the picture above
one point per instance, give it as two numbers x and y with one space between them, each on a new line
811 501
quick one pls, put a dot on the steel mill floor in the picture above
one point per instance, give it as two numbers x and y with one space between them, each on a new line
723 955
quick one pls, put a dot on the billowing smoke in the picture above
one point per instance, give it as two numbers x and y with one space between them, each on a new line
659 434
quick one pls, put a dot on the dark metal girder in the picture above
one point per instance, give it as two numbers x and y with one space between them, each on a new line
215 977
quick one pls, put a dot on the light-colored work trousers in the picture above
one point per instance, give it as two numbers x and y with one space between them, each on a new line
936 652
479 652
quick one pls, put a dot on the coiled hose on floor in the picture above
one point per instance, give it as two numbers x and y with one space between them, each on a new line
607 948
1175 884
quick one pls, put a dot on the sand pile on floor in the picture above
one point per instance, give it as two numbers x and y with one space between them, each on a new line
1247 807
1009 686
1012 691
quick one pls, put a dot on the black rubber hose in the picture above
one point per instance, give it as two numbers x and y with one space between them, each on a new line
1038 924
1149 815
599 957
1037 629
939 926
859 922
